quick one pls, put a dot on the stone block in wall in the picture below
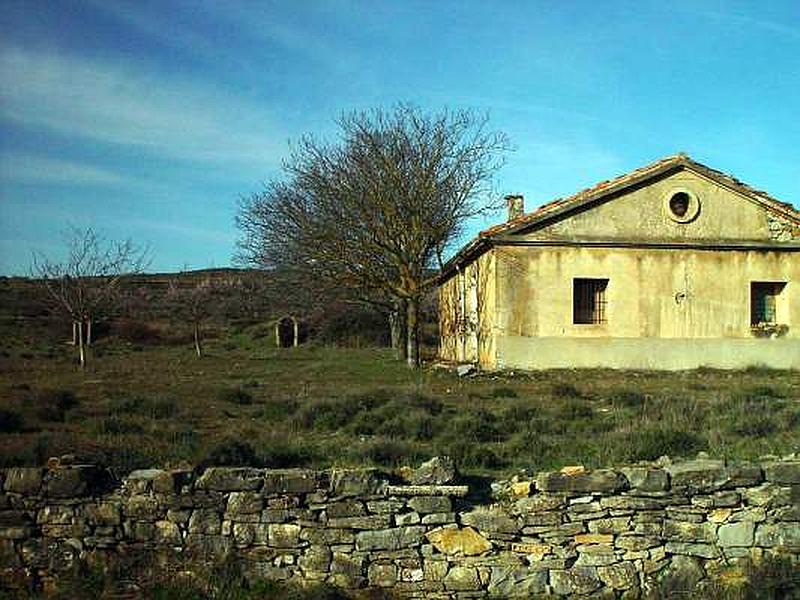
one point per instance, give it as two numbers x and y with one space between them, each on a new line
622 576
646 479
784 472
355 482
228 479
462 579
284 535
390 539
783 535
242 503
208 547
596 555
538 502
205 521
736 534
345 508
167 533
636 543
75 481
24 480
290 481
693 549
602 481
317 559
52 555
575 581
453 541
382 574
430 504
493 520
104 513
770 495
365 522
407 518
8 554
632 503
610 525
326 536
439 518
682 531
143 508
391 506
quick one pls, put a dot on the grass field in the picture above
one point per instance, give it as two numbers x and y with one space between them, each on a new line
247 402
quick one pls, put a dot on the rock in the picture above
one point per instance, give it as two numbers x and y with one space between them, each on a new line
244 503
346 508
787 472
457 491
646 479
610 525
464 370
244 534
290 481
409 518
462 579
355 482
636 543
365 522
769 495
167 533
390 539
621 576
228 479
593 538
430 504
104 514
538 502
317 559
23 480
284 535
452 541
785 535
439 518
631 503
440 470
719 515
347 565
681 531
521 489
327 536
685 570
736 534
534 551
382 574
702 475
493 520
576 581
596 555
144 508
79 480
591 481
693 549
517 582
205 521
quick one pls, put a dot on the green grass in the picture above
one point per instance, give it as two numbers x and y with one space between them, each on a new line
158 405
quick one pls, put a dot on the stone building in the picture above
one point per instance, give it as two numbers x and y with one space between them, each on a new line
672 266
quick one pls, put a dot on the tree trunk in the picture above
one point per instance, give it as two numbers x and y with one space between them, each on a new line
296 332
397 327
278 334
412 332
88 332
74 333
81 347
198 348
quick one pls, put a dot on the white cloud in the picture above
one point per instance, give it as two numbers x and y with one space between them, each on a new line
167 116
26 168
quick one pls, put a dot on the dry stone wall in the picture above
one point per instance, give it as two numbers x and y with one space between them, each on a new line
610 532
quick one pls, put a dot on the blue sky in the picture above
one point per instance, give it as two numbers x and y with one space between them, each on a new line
149 119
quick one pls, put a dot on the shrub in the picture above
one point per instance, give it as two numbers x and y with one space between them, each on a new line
10 421
756 425
390 453
152 408
649 444
503 392
475 426
116 425
474 456
231 454
574 409
628 398
235 395
565 390
136 332
52 405
281 454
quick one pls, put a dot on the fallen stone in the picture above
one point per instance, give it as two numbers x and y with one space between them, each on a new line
355 482
440 470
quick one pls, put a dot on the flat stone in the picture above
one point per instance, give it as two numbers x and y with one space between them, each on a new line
636 543
681 531
205 521
786 472
430 504
646 479
284 535
719 515
516 582
390 539
621 576
462 579
490 521
610 525
699 475
289 481
355 482
439 518
440 470
576 581
240 503
769 495
69 482
538 502
593 538
228 479
736 534
785 535
365 522
596 555
104 513
167 533
345 508
455 491
316 559
382 574
409 518
693 549
452 541
634 503
605 481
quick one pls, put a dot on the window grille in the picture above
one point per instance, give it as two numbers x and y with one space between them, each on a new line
589 301
764 301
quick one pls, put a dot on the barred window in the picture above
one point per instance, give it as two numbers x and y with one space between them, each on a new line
764 301
589 301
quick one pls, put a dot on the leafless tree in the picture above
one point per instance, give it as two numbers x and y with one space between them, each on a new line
375 212
84 285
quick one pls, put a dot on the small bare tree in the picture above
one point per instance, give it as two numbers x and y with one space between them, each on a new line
84 285
198 302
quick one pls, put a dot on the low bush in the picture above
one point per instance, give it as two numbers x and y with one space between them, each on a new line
152 408
53 405
756 425
503 392
628 398
574 409
650 444
565 390
235 395
231 454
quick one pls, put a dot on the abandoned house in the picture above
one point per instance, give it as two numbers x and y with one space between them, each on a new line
672 266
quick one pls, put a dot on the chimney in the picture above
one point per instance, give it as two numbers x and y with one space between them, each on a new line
516 206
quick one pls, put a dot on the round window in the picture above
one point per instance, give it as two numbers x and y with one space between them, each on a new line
682 205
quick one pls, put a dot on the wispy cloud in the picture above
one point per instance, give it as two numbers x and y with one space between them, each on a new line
127 105
751 22
25 168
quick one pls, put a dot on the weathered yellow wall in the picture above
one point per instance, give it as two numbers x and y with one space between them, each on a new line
467 307
642 215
